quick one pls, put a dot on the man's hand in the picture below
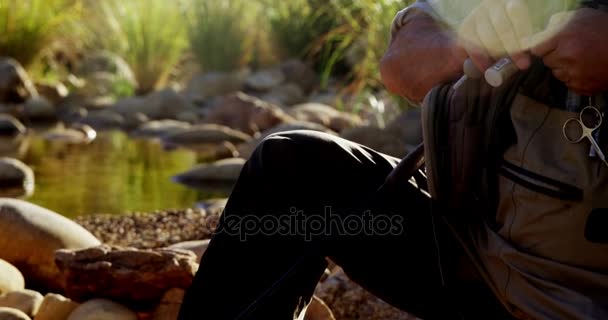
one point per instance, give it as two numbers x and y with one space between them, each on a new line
577 53
495 29
422 54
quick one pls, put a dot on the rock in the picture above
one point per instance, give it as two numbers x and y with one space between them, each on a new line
222 171
55 307
265 80
10 126
15 85
407 126
135 120
246 113
12 314
28 301
76 134
54 93
347 300
15 147
125 274
163 104
37 108
318 310
159 128
106 62
377 139
188 116
103 120
102 309
197 246
169 306
98 84
285 95
16 178
213 206
214 84
24 226
246 149
325 115
300 73
204 134
11 278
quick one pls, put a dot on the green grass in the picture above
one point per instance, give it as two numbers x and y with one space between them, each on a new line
28 27
148 34
222 33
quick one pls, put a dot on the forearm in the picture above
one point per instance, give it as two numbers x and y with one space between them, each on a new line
421 55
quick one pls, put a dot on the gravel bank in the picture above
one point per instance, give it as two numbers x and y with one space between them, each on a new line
151 230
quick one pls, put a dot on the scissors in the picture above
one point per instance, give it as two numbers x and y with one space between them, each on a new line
575 130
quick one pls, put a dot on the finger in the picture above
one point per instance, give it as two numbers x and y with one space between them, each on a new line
519 14
469 40
546 41
503 26
521 59
488 35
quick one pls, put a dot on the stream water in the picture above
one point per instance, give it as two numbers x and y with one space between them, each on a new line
114 174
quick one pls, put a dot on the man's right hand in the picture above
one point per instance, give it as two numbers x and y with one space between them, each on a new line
495 29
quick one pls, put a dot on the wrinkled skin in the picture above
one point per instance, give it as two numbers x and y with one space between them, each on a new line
423 54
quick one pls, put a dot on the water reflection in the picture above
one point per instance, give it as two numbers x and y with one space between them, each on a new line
114 174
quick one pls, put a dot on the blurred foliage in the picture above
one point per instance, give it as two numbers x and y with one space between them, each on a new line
148 34
28 27
344 39
221 33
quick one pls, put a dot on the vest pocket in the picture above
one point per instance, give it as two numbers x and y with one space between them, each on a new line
541 184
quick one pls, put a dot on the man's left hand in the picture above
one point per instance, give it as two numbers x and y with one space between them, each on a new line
578 53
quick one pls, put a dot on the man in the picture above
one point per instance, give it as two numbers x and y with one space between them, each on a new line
304 196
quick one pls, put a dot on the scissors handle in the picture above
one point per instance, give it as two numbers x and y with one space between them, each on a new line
578 124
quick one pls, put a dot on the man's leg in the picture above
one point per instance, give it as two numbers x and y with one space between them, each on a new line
268 252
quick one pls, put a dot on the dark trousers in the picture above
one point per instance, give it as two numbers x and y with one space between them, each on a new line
304 196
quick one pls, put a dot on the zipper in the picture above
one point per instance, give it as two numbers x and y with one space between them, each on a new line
541 184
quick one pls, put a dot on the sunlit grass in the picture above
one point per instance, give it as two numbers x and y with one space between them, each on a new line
222 33
148 34
28 27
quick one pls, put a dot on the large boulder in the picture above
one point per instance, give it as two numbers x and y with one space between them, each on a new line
12 314
27 301
10 126
38 108
125 274
246 149
246 113
15 85
29 237
55 307
160 128
222 171
265 80
377 139
16 179
213 84
204 135
102 309
11 278
325 115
